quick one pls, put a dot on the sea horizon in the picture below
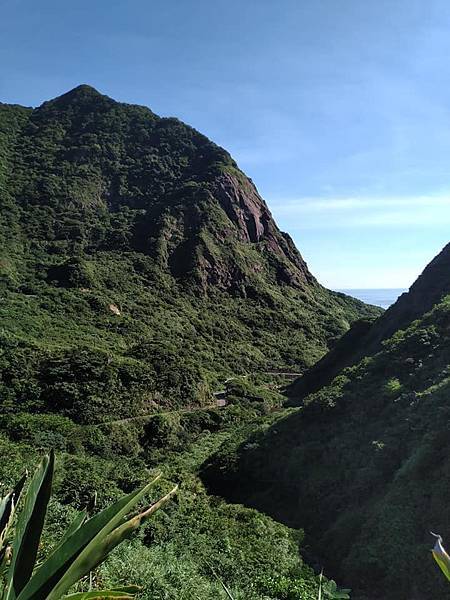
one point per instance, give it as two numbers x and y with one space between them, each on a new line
383 297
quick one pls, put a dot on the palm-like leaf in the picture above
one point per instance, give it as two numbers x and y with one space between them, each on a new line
106 540
440 556
119 593
29 528
7 510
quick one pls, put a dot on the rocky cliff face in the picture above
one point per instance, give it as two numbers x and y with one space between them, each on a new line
248 211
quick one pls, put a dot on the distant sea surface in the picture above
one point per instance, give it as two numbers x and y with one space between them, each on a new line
379 297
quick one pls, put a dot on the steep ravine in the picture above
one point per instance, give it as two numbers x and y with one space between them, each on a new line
363 465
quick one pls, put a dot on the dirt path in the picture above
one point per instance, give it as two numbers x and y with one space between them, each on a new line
190 409
154 414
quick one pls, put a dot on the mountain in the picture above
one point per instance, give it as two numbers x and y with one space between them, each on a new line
139 266
140 272
364 464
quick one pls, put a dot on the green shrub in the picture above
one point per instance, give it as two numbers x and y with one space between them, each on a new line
393 387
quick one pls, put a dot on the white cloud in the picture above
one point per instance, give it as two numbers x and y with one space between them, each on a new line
348 203
364 211
359 277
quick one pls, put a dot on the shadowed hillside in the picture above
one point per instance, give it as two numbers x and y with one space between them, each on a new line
364 465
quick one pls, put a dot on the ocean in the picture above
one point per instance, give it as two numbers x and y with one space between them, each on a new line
379 297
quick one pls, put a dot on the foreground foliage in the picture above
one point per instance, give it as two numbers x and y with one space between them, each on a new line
441 556
173 556
82 547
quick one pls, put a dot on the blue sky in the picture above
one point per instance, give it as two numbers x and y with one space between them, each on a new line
338 110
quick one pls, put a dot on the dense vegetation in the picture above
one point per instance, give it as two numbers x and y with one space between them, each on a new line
189 542
139 266
365 463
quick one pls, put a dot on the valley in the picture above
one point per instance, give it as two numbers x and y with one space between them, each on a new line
154 317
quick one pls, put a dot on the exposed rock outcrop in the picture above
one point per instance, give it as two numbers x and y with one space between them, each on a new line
244 206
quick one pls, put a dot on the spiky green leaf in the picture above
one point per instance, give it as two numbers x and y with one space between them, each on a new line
58 563
441 557
75 525
7 510
107 539
29 528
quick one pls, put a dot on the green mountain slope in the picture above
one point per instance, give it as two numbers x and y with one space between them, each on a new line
139 265
365 338
364 464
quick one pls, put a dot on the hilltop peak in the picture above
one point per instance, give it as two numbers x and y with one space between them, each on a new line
82 94
428 289
82 90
